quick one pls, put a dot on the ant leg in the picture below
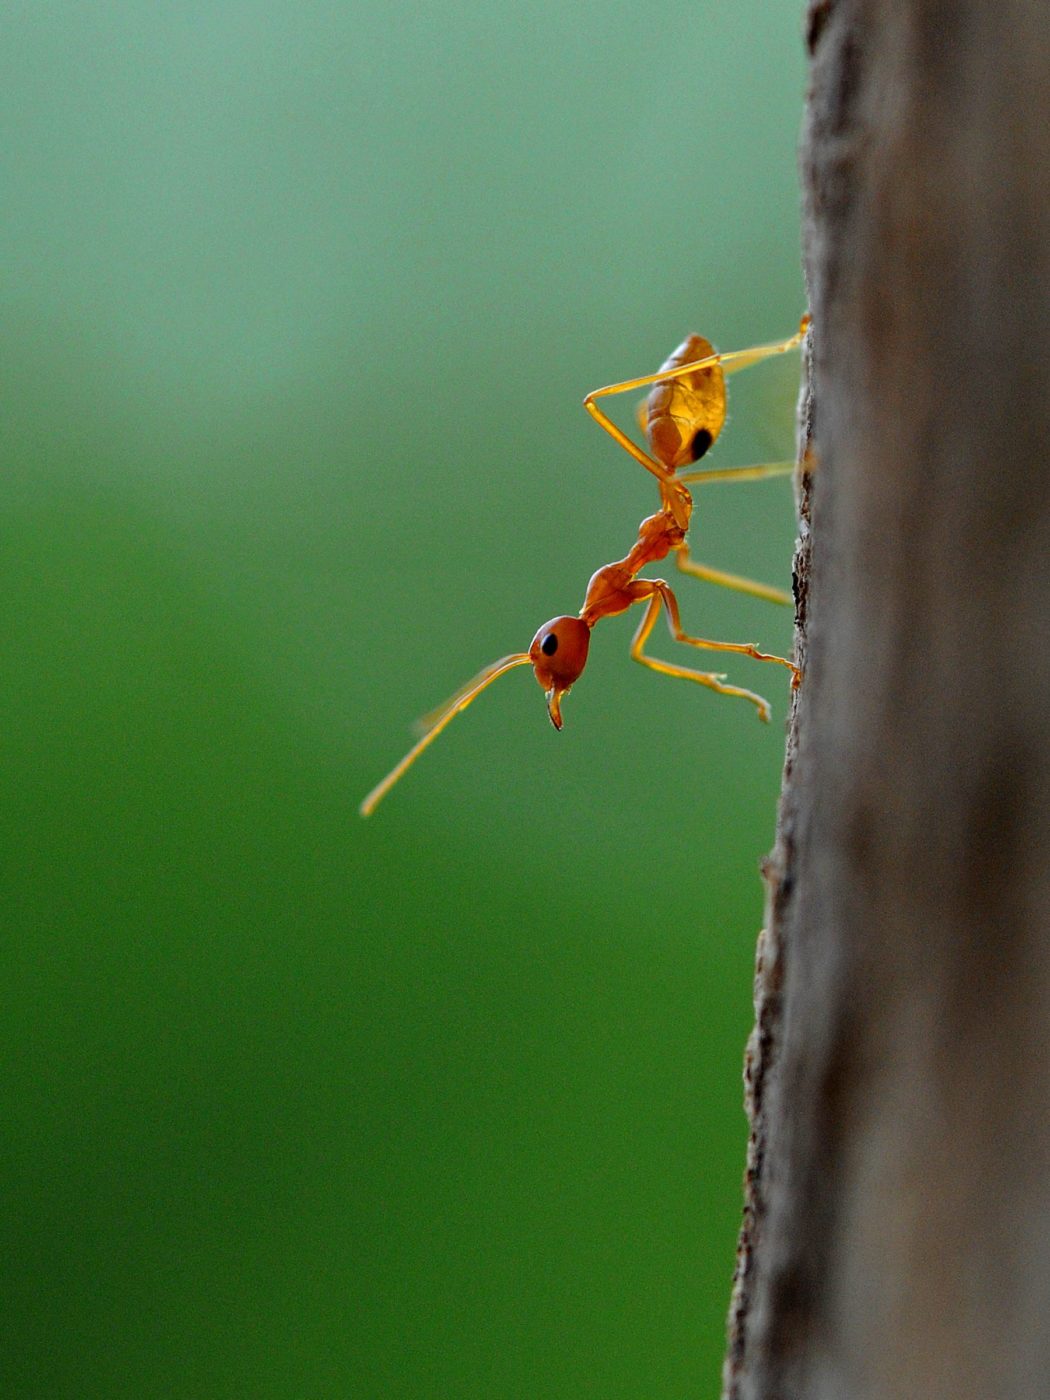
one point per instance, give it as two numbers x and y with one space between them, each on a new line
674 621
759 472
661 473
689 565
712 679
730 360
744 359
743 585
657 590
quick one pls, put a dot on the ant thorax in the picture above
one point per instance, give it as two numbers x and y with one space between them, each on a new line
658 536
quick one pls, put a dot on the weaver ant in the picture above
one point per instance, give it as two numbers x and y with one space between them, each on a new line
681 418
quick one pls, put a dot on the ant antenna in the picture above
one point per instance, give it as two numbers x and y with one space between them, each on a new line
433 723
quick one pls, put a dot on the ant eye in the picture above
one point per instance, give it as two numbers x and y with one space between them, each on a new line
549 645
701 443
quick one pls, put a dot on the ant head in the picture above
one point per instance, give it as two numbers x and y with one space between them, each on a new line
558 655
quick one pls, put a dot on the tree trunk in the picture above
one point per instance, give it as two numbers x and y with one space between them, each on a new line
896 1240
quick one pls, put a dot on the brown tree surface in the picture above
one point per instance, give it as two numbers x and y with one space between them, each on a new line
896 1240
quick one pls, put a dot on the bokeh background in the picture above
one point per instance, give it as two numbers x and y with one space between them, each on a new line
299 304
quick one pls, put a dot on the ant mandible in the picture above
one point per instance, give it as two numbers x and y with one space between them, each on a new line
681 418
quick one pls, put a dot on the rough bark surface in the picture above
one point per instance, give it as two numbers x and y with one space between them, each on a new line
896 1238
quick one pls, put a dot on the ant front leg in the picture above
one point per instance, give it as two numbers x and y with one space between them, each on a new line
713 680
659 593
674 621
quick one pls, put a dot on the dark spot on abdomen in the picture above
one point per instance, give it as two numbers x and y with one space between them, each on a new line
701 443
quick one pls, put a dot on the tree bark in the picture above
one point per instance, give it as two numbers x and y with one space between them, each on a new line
896 1239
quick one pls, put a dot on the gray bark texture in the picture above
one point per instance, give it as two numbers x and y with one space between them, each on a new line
896 1239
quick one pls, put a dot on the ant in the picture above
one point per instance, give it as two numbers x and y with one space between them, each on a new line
681 418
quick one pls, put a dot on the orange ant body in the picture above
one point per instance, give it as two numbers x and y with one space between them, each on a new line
681 417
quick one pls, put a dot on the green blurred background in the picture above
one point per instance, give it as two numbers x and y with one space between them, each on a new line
299 304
